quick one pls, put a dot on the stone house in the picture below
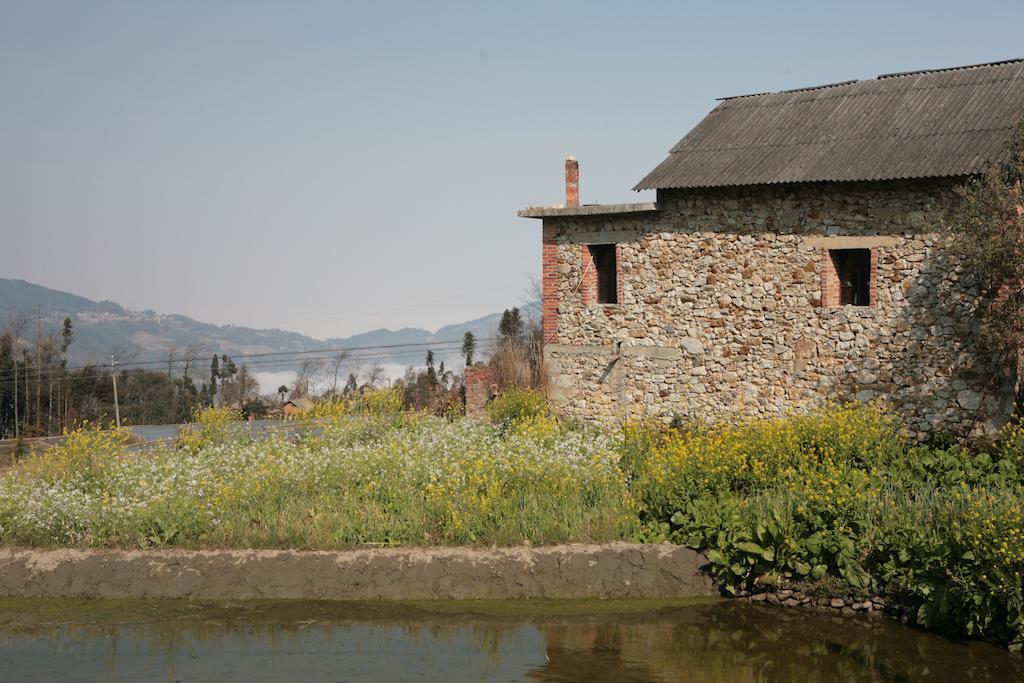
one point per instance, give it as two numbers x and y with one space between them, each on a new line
792 257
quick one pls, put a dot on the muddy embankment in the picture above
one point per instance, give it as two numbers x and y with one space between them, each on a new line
618 570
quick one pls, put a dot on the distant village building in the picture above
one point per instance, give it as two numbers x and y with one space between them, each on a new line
295 407
791 258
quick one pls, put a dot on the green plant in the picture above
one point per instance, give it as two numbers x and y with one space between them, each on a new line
410 479
210 426
82 453
515 405
838 497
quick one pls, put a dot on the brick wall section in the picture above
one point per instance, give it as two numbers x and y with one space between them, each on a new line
873 286
478 388
572 182
549 277
829 280
618 274
588 283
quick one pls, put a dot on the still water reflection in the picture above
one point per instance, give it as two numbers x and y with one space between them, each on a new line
569 641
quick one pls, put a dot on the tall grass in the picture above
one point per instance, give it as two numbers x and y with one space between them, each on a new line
362 479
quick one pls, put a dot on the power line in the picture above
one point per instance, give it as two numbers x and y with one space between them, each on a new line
199 359
265 363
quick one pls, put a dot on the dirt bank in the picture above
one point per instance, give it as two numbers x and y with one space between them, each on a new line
618 570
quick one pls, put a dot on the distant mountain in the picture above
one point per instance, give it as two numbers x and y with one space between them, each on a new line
104 327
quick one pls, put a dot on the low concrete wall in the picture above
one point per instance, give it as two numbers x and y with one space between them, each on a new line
618 570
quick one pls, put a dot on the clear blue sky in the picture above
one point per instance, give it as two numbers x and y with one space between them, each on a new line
331 167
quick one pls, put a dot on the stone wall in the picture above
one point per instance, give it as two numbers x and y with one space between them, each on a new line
722 310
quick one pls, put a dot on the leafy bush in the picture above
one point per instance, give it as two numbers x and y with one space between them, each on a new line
83 453
380 401
377 402
839 493
330 408
517 405
210 426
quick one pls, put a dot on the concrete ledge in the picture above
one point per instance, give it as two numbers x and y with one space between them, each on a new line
852 241
618 570
586 210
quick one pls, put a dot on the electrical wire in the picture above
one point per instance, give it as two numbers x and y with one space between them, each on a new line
7 377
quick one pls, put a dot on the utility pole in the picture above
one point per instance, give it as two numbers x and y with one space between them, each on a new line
15 354
113 376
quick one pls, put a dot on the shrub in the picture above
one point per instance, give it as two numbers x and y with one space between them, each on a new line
377 402
330 408
210 426
380 402
839 494
516 405
82 453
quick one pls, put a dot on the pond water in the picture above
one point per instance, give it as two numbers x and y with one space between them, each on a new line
45 640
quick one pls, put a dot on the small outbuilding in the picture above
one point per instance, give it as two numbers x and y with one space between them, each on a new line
295 407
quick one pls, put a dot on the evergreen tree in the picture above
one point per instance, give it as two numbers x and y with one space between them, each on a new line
468 347
431 371
67 333
227 369
510 329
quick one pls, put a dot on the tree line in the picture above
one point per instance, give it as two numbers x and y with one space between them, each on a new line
40 395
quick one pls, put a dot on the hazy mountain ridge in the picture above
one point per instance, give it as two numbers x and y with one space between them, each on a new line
103 327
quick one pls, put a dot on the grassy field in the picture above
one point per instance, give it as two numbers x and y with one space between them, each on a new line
360 479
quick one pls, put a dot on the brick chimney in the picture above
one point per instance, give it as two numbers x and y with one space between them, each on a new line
572 182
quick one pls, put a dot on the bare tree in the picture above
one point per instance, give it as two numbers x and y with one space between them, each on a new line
374 376
334 367
534 289
52 350
190 354
172 351
16 328
240 389
304 377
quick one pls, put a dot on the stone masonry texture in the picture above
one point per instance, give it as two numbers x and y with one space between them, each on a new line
727 308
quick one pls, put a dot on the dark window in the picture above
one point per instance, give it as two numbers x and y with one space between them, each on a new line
853 267
603 256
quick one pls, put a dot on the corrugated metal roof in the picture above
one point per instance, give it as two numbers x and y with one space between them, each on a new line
921 124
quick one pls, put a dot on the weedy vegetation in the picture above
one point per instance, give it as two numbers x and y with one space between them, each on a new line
365 474
836 498
840 494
